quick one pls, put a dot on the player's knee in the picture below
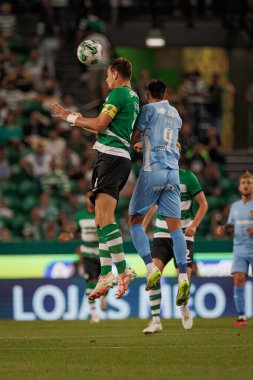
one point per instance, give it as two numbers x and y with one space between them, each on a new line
173 224
103 220
135 219
239 279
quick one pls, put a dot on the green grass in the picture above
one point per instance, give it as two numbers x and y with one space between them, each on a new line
60 350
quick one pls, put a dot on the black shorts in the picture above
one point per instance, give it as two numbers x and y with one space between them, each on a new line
109 175
92 268
162 249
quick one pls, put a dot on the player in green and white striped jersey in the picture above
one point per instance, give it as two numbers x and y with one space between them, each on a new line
88 251
162 250
114 126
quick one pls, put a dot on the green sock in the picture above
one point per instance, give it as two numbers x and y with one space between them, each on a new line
104 254
155 297
114 243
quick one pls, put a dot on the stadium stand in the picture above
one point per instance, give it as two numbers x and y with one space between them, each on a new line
41 187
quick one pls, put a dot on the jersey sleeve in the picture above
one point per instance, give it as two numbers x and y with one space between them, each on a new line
230 216
143 119
112 104
193 185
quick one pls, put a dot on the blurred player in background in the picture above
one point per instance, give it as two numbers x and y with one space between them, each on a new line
240 223
114 126
88 252
162 249
158 183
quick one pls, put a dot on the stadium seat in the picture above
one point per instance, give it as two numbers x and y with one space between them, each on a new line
214 203
29 203
228 185
73 186
4 222
18 174
8 187
13 202
18 223
27 187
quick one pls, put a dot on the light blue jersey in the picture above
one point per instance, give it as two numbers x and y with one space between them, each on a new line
158 181
159 123
241 217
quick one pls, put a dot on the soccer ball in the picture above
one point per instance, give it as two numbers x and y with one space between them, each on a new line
89 52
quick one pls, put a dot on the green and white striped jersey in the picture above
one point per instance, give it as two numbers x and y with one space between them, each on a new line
122 105
89 236
189 188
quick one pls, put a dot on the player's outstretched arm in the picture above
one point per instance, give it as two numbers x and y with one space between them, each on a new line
199 216
96 124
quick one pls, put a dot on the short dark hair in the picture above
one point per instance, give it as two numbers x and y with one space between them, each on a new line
246 174
157 88
122 66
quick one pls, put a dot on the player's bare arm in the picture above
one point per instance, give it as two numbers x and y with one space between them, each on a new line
136 135
199 216
96 124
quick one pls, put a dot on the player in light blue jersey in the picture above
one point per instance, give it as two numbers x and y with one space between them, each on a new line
158 183
240 222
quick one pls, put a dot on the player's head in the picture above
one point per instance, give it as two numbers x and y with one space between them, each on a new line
156 90
120 70
90 207
246 184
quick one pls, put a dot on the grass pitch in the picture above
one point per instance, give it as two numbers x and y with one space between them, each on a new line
60 350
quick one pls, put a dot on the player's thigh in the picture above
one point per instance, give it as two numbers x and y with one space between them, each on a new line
145 192
239 265
162 249
104 209
91 268
169 200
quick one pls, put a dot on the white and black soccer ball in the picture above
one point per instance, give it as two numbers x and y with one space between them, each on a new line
89 52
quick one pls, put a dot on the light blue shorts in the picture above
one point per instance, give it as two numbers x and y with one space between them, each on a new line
160 187
241 264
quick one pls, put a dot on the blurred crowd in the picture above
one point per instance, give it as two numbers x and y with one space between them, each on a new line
45 165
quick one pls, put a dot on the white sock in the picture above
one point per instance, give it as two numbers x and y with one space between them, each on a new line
150 266
182 277
156 319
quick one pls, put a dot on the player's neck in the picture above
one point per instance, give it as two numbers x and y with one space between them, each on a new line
122 83
247 198
153 100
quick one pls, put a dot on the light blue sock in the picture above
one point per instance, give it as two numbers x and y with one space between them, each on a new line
141 242
239 299
179 246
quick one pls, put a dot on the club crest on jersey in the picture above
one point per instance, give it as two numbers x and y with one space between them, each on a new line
161 110
251 212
